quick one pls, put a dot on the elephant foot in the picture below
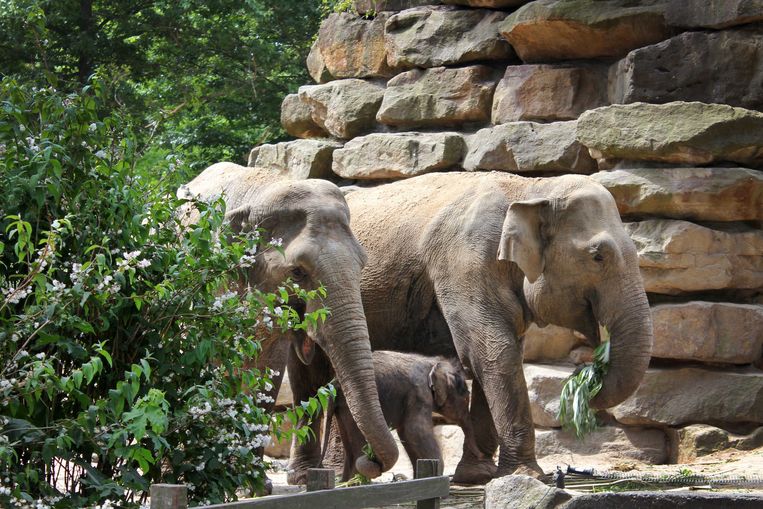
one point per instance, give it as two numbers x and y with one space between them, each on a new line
297 472
474 472
267 488
531 469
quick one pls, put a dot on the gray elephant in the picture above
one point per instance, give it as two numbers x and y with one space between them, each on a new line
411 387
462 263
312 219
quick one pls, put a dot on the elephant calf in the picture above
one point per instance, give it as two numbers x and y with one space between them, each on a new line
411 387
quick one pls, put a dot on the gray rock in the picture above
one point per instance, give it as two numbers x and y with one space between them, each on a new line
316 66
393 155
710 67
524 147
374 6
676 132
353 47
708 332
344 108
297 119
699 194
610 442
438 97
300 159
490 4
666 500
521 492
673 397
548 92
713 13
550 343
547 30
699 440
433 37
678 256
544 385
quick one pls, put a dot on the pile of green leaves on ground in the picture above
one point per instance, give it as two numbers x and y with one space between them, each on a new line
124 338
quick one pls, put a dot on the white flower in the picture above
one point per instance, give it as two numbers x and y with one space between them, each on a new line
101 154
92 127
276 242
142 264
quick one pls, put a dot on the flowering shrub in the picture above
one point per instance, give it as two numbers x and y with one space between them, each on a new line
125 340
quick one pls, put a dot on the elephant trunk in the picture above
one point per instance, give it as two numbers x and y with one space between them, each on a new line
631 337
346 342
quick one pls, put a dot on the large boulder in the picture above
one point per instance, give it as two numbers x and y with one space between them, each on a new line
544 385
692 442
526 147
606 444
710 67
713 13
344 108
678 256
300 159
546 30
396 155
548 92
699 194
372 7
353 47
709 332
677 132
437 36
673 397
316 66
550 343
521 492
490 4
297 119
439 97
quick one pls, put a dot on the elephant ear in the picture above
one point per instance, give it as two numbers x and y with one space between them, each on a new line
521 236
248 217
438 383
239 219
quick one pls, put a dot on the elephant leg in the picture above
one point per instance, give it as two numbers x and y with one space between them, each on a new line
334 455
305 381
471 469
417 437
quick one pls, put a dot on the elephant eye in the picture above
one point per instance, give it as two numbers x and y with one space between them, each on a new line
297 274
598 257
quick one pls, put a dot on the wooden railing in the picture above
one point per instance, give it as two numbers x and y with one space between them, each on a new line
426 490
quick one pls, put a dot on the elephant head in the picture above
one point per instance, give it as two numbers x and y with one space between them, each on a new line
312 220
580 271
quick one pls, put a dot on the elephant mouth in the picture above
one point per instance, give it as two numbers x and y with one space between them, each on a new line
591 329
303 344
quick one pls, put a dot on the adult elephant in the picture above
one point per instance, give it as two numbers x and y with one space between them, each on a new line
467 261
313 221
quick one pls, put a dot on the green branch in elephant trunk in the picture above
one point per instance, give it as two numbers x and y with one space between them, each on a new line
574 402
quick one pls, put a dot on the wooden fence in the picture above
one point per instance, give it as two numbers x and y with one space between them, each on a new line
426 490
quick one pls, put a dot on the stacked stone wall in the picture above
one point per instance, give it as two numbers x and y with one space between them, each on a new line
659 100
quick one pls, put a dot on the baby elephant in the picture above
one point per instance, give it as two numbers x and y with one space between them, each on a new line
411 387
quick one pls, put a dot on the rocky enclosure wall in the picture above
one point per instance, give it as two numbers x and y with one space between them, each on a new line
660 101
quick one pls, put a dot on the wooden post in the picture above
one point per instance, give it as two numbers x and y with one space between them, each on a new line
320 479
428 468
169 496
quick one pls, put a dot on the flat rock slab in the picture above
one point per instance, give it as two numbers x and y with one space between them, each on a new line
608 443
344 108
720 332
437 36
679 256
353 47
544 385
398 155
300 159
674 397
549 343
373 6
665 500
713 13
710 67
439 97
676 132
521 492
526 147
699 440
297 119
548 92
547 30
698 194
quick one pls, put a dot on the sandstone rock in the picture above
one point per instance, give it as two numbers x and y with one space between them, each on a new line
438 97
546 30
301 159
727 499
581 355
433 37
698 440
490 4
374 6
713 13
521 492
528 147
708 331
677 132
548 92
550 343
353 47
613 443
297 120
344 108
672 397
678 256
395 155
544 385
700 194
710 67
316 66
